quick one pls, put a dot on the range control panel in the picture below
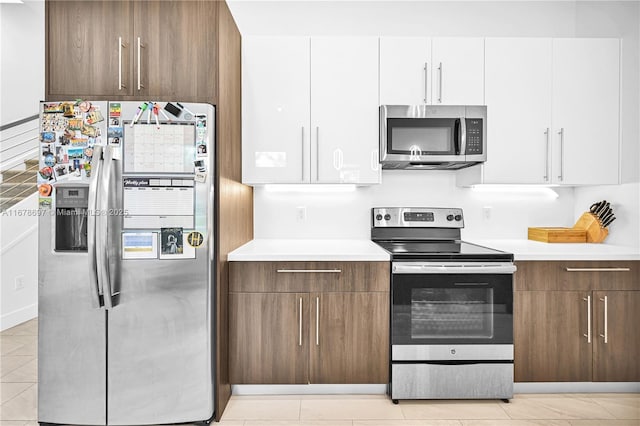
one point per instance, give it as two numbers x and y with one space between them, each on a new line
417 217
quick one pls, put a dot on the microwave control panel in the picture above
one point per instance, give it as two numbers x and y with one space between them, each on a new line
474 136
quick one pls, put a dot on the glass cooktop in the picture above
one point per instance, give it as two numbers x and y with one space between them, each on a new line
451 250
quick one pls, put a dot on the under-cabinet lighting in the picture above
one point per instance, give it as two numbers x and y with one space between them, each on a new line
313 188
527 190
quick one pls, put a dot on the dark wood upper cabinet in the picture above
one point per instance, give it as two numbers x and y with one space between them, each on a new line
175 41
89 48
124 50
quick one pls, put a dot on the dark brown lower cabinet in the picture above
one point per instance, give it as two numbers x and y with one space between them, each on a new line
577 322
281 334
349 338
267 342
618 358
548 331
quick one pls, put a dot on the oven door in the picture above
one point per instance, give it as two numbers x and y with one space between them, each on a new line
451 304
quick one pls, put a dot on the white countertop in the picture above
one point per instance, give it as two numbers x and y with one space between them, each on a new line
535 250
309 250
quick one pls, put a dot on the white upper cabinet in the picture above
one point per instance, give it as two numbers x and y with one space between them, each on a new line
553 112
275 109
438 71
518 96
586 111
344 110
458 71
405 70
310 110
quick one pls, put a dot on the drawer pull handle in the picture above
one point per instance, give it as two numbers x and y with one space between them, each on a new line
310 271
598 269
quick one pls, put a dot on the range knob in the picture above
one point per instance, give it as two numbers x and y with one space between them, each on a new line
458 217
387 217
378 216
449 217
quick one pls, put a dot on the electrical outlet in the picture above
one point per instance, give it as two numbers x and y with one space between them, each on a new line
301 213
19 283
486 212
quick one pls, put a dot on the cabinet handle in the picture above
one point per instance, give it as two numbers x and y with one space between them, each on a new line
546 157
302 161
588 335
374 160
300 324
605 335
426 67
309 271
318 321
338 159
597 269
561 133
317 153
140 46
120 46
440 83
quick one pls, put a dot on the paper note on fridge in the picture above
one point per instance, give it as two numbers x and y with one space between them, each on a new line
153 203
169 148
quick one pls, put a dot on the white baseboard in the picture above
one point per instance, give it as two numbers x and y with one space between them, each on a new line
311 389
577 387
18 316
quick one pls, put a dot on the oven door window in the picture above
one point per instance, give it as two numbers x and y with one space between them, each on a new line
423 136
452 308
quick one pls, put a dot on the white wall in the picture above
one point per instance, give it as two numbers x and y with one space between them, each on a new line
19 259
21 59
348 215
621 19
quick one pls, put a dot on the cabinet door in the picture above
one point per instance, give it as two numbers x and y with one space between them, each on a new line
275 109
458 71
174 50
518 98
617 359
89 48
586 106
405 70
268 342
344 110
549 336
349 338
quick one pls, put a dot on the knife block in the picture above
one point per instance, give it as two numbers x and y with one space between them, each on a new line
590 223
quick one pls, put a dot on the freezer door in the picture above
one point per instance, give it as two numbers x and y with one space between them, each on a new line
160 329
71 336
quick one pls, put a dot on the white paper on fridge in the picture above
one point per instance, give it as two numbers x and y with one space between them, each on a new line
153 203
168 148
139 245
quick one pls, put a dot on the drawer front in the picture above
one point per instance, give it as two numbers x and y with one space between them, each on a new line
308 276
577 275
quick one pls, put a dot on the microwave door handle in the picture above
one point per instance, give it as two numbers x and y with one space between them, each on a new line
463 136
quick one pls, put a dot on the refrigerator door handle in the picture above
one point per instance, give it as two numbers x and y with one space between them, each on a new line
94 280
102 228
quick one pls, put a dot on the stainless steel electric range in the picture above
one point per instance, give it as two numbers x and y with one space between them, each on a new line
452 307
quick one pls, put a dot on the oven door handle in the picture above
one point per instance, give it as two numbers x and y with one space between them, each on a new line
479 268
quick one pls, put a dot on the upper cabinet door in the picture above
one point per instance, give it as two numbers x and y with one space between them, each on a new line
344 110
88 48
405 71
458 71
275 110
586 103
518 98
173 48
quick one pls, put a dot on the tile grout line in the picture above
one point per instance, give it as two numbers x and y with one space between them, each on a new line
15 396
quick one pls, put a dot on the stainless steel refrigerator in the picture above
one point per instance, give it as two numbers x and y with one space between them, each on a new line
126 272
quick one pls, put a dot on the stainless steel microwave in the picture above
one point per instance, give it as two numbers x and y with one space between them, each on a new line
427 137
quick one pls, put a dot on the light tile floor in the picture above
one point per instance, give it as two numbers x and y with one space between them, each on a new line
18 402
